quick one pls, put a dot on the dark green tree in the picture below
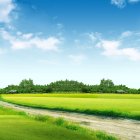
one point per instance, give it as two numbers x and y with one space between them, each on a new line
66 86
26 86
106 86
106 83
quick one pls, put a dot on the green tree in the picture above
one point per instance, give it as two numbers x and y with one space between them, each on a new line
106 86
66 86
86 89
26 86
26 83
106 83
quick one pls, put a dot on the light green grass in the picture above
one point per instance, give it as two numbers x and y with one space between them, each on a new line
18 126
78 95
114 105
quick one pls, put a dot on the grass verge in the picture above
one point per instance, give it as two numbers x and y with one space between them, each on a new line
18 125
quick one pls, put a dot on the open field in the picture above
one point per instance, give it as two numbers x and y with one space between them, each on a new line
117 127
18 126
126 105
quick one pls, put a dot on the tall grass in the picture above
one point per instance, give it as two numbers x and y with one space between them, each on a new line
15 125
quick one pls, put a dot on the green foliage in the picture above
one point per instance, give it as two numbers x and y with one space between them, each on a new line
49 89
105 86
26 86
41 118
42 89
106 83
66 86
86 89
26 83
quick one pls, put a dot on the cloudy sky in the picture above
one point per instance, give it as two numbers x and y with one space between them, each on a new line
84 40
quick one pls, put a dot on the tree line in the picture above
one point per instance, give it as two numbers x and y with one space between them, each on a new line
105 86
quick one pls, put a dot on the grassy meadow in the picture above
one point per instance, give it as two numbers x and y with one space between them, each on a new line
19 126
113 105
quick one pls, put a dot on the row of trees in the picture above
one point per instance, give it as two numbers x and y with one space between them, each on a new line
105 86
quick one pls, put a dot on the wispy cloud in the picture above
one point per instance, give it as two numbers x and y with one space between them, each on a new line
29 40
20 40
77 58
123 3
6 7
119 3
112 48
60 26
115 48
48 62
126 34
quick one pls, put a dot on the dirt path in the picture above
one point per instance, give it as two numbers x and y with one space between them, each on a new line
122 128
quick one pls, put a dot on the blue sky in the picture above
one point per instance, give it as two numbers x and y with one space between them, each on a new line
84 40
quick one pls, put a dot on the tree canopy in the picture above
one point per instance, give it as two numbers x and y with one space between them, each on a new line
105 86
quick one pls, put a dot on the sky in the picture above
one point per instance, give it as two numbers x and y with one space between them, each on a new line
83 40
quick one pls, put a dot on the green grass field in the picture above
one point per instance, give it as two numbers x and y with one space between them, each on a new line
18 126
114 105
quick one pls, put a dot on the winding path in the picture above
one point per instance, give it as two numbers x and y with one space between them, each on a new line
123 128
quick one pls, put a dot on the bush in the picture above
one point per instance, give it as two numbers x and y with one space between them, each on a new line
86 90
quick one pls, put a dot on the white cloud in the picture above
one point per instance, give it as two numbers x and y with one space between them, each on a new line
126 34
114 48
110 47
6 7
131 53
126 45
122 3
29 40
27 36
119 3
49 44
92 36
78 59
